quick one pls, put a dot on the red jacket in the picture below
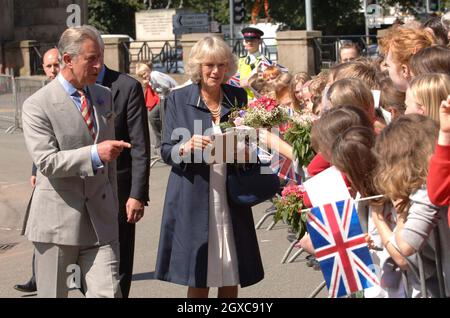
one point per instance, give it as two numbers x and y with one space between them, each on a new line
438 181
151 98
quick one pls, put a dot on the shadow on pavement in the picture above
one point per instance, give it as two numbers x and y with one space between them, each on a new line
144 276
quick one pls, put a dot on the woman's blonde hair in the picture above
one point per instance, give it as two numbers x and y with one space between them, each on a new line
429 90
403 150
142 68
215 49
352 91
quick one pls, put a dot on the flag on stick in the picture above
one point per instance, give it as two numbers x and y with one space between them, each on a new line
340 248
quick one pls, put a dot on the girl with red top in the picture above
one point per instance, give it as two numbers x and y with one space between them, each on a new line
438 181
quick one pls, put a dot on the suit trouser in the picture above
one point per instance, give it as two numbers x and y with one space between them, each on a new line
33 269
95 267
126 239
154 118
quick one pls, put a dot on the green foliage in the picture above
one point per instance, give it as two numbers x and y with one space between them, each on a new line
288 210
218 10
114 16
299 136
329 16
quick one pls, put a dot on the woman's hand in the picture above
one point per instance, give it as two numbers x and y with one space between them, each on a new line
197 142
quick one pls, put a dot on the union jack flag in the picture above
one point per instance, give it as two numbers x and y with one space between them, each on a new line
235 80
341 248
285 168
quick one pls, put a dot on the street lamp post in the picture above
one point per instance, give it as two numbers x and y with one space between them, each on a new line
309 16
232 22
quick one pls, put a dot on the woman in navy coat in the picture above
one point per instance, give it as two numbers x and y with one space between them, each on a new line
205 240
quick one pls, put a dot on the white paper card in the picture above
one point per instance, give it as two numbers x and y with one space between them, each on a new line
376 97
326 187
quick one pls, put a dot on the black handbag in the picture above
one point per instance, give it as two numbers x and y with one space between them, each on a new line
251 184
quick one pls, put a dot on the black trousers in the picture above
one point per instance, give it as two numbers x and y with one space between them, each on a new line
126 243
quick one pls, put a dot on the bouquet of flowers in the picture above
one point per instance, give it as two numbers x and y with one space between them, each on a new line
298 134
289 207
264 112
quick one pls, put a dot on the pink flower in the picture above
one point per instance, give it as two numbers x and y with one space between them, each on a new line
238 121
284 127
270 107
264 102
293 189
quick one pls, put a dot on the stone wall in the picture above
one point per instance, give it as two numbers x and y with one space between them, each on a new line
23 22
43 20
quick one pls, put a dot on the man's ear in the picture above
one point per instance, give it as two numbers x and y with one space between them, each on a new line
67 59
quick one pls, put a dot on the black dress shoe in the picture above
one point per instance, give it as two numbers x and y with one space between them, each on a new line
29 287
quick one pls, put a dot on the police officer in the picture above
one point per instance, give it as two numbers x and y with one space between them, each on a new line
247 65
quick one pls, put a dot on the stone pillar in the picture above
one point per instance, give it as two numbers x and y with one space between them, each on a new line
382 33
20 56
188 41
116 55
296 50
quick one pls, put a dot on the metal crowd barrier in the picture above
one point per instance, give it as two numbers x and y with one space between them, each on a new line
155 158
13 92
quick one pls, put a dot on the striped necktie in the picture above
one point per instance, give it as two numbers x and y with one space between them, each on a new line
86 112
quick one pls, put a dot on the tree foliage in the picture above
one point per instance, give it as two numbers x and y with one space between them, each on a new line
329 16
114 16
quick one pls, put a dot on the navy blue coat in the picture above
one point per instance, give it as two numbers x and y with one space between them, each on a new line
183 244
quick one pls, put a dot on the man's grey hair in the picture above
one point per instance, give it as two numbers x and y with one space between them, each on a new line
72 39
98 34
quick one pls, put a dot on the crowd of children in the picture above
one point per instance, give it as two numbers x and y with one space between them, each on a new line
385 124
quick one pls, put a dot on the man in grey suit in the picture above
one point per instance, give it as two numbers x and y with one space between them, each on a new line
69 132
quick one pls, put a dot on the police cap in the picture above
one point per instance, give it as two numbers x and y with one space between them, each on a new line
252 33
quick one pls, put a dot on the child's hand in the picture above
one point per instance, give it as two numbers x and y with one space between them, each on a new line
444 112
444 118
369 242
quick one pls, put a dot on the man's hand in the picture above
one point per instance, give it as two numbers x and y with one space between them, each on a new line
109 150
135 210
33 181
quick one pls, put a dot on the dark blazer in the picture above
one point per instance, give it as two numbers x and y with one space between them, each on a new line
183 244
133 165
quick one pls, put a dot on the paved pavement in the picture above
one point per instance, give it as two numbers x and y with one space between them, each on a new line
281 280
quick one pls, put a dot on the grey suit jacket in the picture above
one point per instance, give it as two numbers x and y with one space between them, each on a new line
71 204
